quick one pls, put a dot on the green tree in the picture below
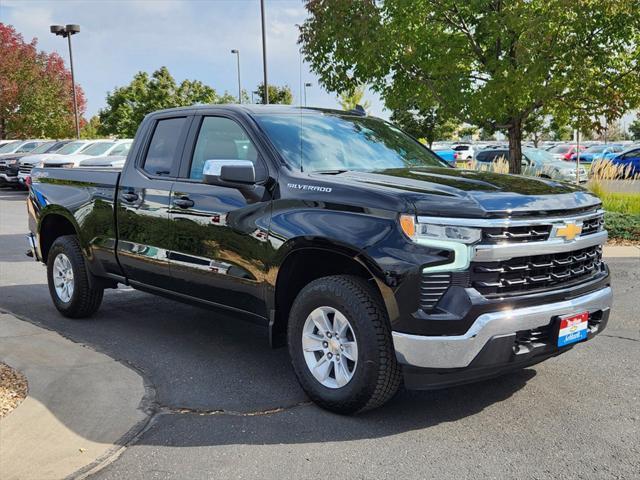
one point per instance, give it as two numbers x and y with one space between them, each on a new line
487 135
127 106
634 128
559 130
467 131
491 63
427 125
282 95
91 129
350 99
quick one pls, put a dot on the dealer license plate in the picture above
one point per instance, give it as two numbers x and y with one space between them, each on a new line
573 329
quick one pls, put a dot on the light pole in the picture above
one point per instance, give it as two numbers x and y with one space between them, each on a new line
66 32
237 52
265 96
305 93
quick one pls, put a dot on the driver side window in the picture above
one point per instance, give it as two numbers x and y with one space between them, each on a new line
631 154
221 139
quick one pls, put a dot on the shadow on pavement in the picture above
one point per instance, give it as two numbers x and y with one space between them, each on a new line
203 361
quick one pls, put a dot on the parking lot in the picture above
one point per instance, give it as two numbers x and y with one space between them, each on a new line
224 405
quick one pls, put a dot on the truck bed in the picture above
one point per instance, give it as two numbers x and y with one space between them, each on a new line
85 197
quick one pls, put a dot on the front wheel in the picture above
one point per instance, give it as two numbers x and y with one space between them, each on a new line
340 345
68 278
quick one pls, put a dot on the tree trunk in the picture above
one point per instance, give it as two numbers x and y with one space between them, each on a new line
515 146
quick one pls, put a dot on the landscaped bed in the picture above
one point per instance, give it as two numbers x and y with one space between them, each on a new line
13 389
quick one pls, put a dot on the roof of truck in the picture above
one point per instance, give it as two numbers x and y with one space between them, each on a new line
258 109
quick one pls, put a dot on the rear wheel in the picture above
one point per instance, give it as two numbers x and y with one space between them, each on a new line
340 345
68 279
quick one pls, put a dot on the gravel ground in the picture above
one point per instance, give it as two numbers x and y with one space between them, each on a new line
13 389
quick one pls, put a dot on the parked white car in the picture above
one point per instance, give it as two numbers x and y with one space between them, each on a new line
19 146
28 162
464 151
101 148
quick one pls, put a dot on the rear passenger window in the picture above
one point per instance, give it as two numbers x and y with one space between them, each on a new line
163 153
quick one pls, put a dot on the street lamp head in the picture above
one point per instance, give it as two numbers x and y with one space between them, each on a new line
235 51
72 29
57 29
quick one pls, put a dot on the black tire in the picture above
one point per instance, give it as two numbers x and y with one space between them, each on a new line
86 299
377 376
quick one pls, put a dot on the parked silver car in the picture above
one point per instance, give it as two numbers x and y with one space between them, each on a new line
536 163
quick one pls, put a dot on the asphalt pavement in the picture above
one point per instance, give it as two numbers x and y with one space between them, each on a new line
227 406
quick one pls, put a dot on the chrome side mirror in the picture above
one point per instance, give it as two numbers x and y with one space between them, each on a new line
228 173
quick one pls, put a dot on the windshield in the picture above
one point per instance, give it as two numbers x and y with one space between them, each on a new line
596 149
98 148
538 155
71 148
331 142
42 148
9 147
560 149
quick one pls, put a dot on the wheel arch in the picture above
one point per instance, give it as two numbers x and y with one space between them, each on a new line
308 260
53 225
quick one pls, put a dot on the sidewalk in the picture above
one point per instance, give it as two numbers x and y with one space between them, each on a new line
81 404
615 251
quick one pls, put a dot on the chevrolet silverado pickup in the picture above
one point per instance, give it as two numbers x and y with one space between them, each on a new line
371 259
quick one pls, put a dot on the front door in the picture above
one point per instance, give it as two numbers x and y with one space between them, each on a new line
144 236
220 233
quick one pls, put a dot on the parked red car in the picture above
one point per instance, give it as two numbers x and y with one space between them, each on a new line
564 151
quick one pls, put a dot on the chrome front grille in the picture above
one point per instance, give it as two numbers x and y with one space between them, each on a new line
522 234
534 233
25 168
538 272
519 256
592 225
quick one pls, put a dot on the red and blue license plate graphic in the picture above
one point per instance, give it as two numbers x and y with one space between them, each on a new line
573 329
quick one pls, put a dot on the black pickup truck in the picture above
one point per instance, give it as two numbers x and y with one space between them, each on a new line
356 246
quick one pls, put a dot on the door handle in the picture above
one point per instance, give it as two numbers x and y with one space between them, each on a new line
183 202
129 197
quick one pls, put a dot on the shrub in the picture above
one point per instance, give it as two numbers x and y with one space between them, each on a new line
622 225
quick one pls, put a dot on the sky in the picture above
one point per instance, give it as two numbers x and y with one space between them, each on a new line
193 38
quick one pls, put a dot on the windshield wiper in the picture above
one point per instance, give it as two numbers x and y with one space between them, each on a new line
330 172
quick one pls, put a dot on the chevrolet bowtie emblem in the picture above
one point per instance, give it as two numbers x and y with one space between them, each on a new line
569 231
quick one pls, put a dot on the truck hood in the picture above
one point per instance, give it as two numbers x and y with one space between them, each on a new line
470 193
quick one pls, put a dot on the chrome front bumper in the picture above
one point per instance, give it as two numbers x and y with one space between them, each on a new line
443 352
7 179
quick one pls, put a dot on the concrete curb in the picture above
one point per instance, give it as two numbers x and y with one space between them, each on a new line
82 408
619 251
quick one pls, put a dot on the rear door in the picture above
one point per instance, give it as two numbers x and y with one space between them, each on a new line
144 235
220 247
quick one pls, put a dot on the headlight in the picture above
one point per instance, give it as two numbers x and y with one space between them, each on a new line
425 231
